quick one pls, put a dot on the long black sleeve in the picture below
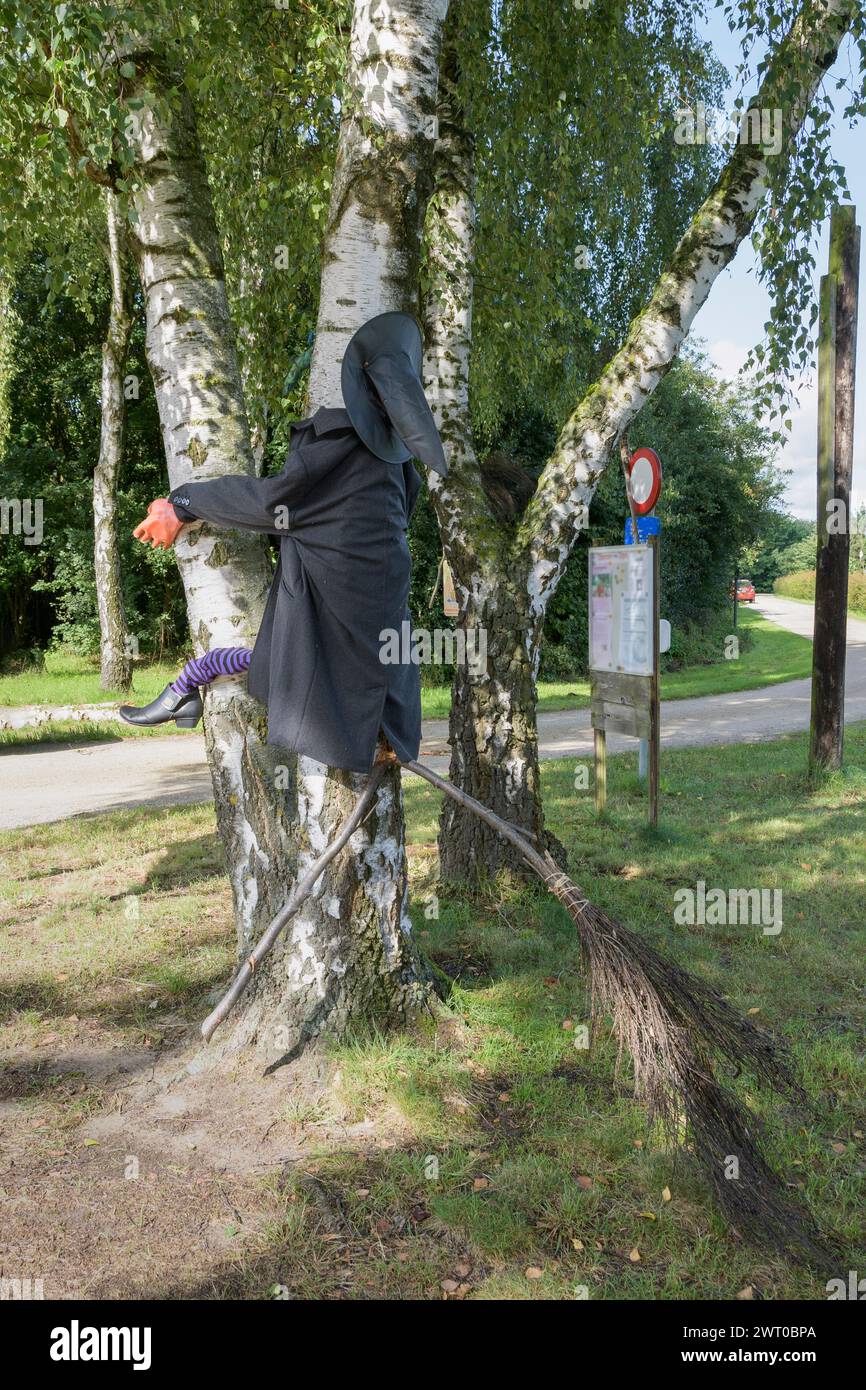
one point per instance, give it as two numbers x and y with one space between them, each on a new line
263 504
244 503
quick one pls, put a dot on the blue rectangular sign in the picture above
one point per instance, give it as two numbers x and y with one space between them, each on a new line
646 526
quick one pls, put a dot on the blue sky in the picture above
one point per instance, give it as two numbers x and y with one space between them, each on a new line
732 319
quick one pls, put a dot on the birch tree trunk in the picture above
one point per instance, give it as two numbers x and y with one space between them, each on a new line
115 655
193 364
505 581
492 725
355 928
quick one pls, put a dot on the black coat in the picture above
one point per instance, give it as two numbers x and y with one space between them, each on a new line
342 578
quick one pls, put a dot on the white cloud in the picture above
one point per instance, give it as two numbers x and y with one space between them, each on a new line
728 356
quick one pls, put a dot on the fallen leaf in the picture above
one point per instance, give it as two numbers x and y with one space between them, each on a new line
578 1244
649 1215
89 1143
838 1148
666 1194
568 1023
534 1272
752 1012
747 1292
506 1095
584 1182
634 1256
480 1184
805 866
449 1285
362 1191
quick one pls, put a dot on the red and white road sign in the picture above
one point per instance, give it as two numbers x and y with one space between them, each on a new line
645 479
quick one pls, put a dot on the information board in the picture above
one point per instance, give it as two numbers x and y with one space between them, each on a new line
621 609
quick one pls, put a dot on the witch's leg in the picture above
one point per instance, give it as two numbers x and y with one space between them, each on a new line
201 670
181 700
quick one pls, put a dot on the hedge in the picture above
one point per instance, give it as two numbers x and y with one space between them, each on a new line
801 584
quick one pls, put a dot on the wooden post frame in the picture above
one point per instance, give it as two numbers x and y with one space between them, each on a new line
600 741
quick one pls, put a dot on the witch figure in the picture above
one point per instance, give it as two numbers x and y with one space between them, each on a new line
340 508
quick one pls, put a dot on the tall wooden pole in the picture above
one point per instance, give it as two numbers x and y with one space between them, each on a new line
837 355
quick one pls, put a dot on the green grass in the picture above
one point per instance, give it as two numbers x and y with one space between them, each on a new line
770 656
70 679
496 1145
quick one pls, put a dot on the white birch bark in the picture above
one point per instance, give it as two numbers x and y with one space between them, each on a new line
226 575
381 177
114 648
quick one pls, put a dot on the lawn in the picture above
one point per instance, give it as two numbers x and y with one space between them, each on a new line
772 655
498 1160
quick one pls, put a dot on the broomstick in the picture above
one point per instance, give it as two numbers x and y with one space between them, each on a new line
670 1023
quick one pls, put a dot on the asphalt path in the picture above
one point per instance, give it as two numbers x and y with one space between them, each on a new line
47 782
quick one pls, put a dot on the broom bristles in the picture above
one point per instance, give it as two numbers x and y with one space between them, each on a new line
671 1024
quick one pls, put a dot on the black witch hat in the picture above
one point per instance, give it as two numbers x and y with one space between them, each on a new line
382 392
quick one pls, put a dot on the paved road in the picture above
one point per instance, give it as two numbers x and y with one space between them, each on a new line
49 782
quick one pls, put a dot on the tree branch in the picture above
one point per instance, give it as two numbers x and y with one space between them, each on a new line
555 515
459 500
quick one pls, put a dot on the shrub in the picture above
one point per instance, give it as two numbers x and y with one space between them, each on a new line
802 585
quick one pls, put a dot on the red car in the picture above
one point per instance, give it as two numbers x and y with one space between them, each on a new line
745 591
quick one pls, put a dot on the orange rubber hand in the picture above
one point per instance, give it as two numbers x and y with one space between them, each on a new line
162 526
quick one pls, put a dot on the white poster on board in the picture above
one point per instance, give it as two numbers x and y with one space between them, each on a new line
621 609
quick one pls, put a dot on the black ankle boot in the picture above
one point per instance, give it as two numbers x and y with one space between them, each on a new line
185 710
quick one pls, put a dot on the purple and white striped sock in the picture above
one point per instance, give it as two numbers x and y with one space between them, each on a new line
201 670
